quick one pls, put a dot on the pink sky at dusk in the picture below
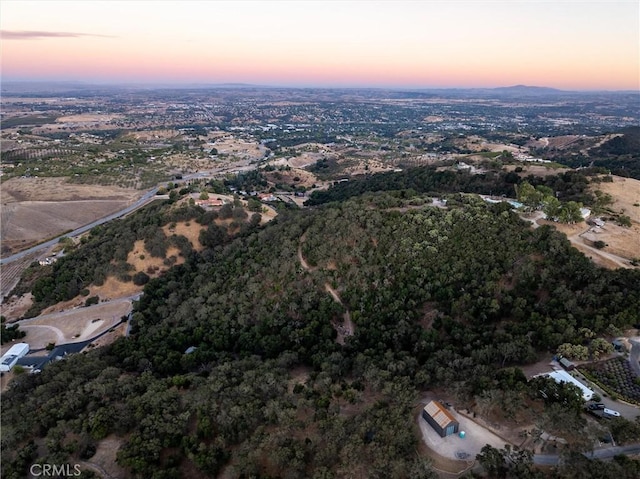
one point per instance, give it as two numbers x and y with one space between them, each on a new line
565 44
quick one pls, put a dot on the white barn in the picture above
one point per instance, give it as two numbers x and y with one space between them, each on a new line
10 358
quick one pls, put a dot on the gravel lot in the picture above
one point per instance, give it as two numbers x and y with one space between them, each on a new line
454 446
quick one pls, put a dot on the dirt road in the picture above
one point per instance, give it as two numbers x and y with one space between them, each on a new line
347 327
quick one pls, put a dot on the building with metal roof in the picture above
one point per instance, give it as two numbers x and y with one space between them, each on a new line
10 358
564 377
440 419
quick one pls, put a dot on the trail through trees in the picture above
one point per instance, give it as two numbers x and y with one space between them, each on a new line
347 327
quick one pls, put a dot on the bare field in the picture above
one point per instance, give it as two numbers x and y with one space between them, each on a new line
304 178
105 457
87 117
537 170
34 209
153 135
622 241
626 194
38 220
16 306
561 141
239 148
59 189
608 257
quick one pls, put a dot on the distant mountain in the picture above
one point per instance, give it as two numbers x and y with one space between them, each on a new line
531 90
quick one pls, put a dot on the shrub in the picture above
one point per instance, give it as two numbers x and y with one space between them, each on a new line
140 278
92 300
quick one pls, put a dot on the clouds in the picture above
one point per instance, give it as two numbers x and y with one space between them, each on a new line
37 35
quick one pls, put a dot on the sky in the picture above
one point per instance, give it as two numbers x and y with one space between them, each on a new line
566 44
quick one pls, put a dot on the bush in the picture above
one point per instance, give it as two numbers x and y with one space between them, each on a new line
92 300
624 220
140 278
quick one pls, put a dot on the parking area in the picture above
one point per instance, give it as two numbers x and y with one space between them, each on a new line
454 446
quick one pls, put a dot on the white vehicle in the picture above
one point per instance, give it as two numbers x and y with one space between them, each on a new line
611 412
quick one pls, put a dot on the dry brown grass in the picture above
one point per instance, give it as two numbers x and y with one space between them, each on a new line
114 288
626 194
87 117
304 178
537 170
622 241
34 209
190 231
59 189
142 260
239 148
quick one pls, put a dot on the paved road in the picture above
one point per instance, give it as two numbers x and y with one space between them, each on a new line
603 454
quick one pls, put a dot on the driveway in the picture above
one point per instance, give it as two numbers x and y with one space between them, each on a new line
634 355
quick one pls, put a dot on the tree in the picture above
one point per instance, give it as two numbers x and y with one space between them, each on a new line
600 346
529 196
570 213
574 351
204 196
552 208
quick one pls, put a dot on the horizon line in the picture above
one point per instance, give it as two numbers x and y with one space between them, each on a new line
183 84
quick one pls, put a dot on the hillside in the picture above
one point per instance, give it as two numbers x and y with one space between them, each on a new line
617 153
438 297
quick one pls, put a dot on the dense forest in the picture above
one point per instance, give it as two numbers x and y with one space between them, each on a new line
234 362
568 186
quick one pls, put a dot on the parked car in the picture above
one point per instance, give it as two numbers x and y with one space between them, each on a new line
595 406
611 412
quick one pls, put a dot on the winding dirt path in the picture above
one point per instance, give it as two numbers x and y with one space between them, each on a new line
347 327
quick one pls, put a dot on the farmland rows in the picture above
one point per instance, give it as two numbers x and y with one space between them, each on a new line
30 154
10 273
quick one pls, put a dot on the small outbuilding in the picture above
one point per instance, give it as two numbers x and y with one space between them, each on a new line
440 419
618 345
566 364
